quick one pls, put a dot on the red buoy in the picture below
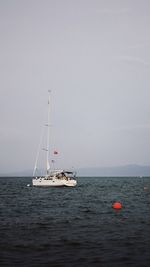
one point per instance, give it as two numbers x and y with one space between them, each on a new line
117 205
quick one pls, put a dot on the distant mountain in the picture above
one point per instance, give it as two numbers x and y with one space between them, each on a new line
126 170
27 173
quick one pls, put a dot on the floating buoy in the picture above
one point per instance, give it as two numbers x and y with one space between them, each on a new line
28 185
117 205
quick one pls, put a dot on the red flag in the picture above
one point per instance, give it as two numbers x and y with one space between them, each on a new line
55 152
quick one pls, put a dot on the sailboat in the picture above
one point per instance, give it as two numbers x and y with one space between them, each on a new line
52 177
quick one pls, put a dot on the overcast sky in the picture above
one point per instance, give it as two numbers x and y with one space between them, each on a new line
95 57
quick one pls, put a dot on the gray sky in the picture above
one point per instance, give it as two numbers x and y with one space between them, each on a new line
95 57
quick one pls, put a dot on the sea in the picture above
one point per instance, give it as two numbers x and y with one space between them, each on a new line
78 226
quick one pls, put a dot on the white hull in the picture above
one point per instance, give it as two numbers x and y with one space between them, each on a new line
42 181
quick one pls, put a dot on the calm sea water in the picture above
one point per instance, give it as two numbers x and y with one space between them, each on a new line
75 226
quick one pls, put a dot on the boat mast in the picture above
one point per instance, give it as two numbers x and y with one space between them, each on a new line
47 150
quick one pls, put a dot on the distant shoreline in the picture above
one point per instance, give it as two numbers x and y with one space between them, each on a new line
131 170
